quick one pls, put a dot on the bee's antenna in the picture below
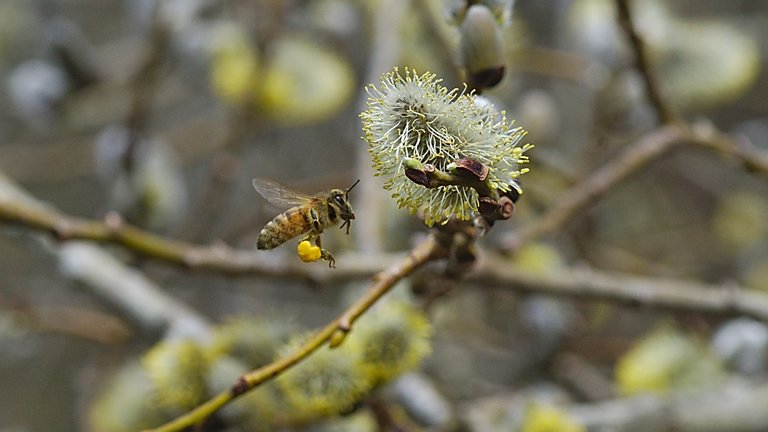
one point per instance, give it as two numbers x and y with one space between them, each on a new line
346 193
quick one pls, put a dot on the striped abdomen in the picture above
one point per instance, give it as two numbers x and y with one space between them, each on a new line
285 226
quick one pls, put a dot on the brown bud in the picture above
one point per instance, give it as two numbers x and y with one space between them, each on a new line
472 167
506 207
485 78
420 175
417 176
493 210
487 206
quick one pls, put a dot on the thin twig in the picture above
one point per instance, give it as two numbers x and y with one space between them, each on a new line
333 332
562 65
752 157
79 322
664 110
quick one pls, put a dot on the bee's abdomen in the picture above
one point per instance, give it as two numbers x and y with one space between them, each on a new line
282 228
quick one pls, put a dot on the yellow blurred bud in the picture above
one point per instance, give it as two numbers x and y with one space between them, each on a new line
326 383
538 258
542 418
234 72
304 82
389 340
666 360
756 276
741 220
127 403
177 369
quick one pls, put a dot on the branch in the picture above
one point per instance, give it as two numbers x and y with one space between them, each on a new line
17 207
131 292
735 406
672 294
752 157
20 208
217 258
72 321
636 156
587 192
334 332
664 110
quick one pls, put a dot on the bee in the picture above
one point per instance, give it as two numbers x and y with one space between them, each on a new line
308 215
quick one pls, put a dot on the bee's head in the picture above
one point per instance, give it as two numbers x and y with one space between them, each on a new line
339 201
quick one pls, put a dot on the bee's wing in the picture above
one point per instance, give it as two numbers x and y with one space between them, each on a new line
278 194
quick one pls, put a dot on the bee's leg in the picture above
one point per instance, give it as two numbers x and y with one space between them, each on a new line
315 234
324 254
315 218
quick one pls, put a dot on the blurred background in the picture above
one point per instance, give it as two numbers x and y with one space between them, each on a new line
161 111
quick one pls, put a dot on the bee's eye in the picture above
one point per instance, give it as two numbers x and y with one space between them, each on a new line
339 200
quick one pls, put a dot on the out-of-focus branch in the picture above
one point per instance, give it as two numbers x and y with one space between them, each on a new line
562 65
216 258
585 193
735 406
334 332
750 156
130 292
647 149
66 320
663 109
672 294
636 156
17 207
107 278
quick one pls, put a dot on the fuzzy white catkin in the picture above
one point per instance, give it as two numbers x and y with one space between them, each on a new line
412 116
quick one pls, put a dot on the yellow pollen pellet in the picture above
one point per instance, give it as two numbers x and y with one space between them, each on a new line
308 252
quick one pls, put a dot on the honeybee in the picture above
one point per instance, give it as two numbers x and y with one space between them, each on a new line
308 215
